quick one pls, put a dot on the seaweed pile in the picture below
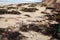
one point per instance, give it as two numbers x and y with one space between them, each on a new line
27 18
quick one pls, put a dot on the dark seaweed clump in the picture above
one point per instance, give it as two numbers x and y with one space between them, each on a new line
11 7
14 12
32 5
4 11
29 9
8 35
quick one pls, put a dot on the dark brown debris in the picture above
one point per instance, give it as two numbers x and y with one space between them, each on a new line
27 15
24 28
34 27
32 5
29 9
11 7
57 5
4 11
11 35
1 17
14 12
